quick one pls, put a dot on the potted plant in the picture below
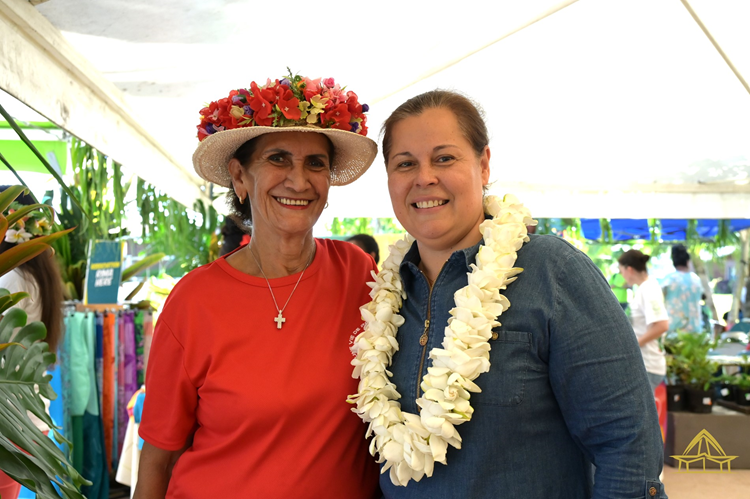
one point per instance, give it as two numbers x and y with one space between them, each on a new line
691 364
26 454
728 388
742 384
677 374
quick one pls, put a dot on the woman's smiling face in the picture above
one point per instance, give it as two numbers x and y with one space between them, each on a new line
435 179
286 180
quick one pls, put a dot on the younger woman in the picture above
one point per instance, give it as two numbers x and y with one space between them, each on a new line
647 313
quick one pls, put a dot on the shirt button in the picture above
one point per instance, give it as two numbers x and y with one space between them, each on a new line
652 491
494 336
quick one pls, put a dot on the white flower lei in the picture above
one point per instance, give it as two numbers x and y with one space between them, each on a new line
410 444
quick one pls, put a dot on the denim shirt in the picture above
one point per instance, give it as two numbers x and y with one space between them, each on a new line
566 389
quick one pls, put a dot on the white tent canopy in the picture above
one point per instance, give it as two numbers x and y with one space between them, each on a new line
596 108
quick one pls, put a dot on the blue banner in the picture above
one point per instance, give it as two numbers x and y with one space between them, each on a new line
103 272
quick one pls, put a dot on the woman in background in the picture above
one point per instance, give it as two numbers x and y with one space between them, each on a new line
40 278
648 314
683 293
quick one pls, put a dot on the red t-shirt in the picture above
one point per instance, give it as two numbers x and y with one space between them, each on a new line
268 406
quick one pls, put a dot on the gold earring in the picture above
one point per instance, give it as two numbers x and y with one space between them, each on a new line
242 199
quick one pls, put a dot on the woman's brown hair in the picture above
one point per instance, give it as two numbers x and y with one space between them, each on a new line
469 115
635 259
46 274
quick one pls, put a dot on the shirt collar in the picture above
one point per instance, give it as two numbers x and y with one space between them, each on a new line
411 259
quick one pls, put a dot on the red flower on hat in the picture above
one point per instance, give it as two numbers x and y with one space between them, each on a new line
289 104
338 117
352 102
260 103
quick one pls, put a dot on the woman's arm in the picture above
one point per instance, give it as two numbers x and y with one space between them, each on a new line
599 379
155 471
653 331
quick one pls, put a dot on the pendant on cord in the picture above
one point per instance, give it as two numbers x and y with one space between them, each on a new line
279 320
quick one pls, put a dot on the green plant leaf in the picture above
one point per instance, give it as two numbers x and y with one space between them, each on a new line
3 346
23 369
24 252
36 152
141 265
135 291
20 213
9 195
8 300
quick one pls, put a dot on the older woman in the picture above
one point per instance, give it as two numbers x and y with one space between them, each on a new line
246 381
518 409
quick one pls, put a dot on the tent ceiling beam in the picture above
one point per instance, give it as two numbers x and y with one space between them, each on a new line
435 70
722 188
716 45
33 53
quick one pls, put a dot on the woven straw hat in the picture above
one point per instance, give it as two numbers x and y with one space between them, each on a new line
354 153
293 104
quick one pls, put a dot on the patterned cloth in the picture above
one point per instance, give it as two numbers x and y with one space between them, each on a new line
682 296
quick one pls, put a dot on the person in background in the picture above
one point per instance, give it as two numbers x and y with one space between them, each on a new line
40 278
648 314
233 236
683 292
620 288
561 378
368 244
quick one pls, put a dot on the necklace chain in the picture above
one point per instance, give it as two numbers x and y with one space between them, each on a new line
280 319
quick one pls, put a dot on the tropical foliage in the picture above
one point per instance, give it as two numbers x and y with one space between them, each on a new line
189 237
352 226
26 454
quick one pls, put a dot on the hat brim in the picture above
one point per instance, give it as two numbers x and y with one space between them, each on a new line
353 155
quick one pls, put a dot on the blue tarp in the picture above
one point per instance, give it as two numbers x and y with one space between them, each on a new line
624 229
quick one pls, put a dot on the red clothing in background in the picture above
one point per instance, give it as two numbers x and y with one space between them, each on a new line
268 406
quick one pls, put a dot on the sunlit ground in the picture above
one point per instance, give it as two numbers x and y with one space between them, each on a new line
732 485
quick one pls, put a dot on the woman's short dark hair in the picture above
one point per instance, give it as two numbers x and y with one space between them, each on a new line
44 270
634 258
368 244
241 213
469 115
680 255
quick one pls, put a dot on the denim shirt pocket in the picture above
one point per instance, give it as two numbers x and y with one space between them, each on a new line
504 384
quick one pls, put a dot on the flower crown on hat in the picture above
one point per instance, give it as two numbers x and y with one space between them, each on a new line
291 101
35 224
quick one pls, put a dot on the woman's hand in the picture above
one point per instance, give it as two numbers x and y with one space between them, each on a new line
155 471
653 331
